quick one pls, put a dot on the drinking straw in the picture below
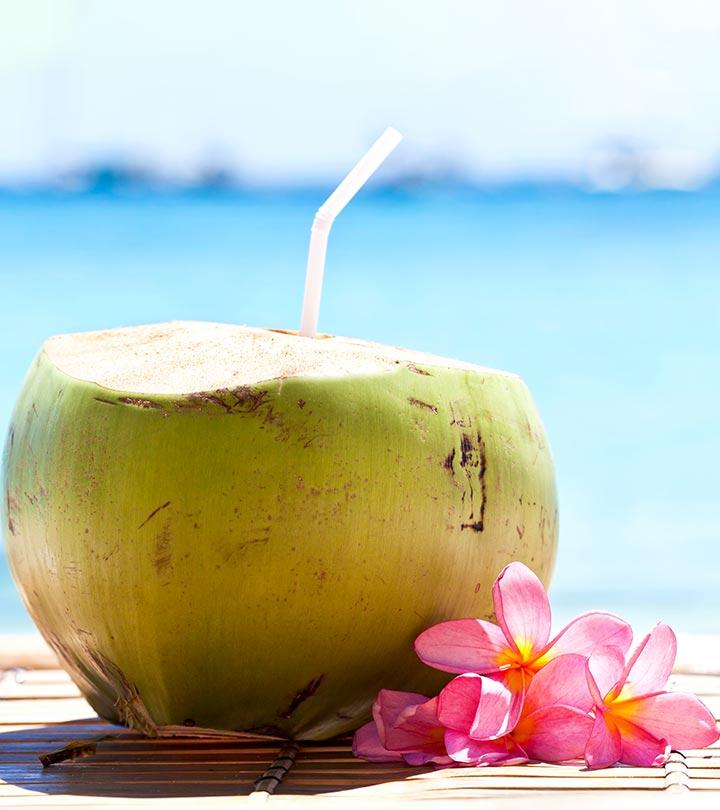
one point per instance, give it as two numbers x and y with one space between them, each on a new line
353 182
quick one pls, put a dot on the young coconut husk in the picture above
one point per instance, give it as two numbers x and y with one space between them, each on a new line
223 528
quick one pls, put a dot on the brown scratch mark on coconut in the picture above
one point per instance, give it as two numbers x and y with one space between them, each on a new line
449 461
520 531
199 399
154 512
463 422
275 420
110 553
240 547
11 437
248 399
473 462
481 474
139 402
416 370
11 501
130 708
301 403
82 631
10 504
466 450
241 400
301 696
104 401
162 559
418 403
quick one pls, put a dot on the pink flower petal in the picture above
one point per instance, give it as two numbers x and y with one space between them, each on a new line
475 705
464 645
522 607
595 692
650 666
554 734
681 719
367 745
604 748
414 728
606 665
483 752
516 681
560 682
641 749
420 758
590 631
389 706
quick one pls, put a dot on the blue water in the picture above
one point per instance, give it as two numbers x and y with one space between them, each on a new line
607 305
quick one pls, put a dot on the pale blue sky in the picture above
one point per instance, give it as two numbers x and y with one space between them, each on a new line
287 91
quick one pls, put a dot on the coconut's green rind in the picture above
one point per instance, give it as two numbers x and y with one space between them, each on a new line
263 558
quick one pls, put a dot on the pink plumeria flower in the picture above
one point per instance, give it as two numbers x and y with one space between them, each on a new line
516 648
636 721
405 727
554 725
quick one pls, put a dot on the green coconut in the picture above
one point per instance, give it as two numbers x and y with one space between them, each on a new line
230 528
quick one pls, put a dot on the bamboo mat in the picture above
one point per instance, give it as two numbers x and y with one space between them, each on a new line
41 711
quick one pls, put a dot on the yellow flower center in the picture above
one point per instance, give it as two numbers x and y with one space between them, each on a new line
523 660
623 704
525 648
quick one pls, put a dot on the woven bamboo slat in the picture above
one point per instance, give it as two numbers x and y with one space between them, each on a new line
41 712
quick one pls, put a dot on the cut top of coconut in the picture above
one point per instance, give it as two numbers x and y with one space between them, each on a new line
184 357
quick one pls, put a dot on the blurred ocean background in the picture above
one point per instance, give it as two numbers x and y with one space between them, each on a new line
607 305
554 211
